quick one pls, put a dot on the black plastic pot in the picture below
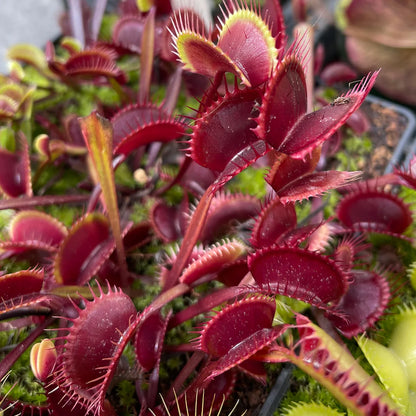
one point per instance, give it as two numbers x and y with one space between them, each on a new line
278 391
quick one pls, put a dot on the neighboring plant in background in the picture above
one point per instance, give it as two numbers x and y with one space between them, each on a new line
392 48
239 256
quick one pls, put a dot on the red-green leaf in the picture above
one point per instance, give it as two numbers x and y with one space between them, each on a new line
98 135
333 366
87 365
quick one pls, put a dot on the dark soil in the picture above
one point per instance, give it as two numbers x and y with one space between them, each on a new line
387 127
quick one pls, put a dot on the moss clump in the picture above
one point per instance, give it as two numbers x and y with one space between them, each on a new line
355 152
20 383
250 181
66 214
306 390
57 180
124 398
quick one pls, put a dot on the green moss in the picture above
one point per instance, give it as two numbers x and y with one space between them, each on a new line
174 195
305 389
5 217
147 294
131 66
58 180
331 200
354 153
181 334
107 24
311 409
45 102
130 355
303 209
124 176
329 94
27 388
250 181
83 100
140 210
396 246
409 197
126 398
158 93
7 139
13 265
187 105
388 321
170 368
67 214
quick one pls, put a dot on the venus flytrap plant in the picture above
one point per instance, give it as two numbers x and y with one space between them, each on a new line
286 117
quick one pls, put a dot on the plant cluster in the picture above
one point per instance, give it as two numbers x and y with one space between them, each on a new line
131 259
